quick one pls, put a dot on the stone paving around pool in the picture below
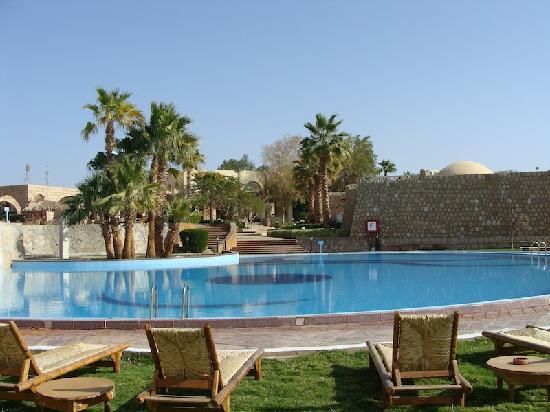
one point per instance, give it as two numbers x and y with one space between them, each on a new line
291 340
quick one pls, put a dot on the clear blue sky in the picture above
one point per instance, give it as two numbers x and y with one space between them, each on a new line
430 81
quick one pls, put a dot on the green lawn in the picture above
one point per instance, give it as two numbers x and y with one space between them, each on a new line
332 381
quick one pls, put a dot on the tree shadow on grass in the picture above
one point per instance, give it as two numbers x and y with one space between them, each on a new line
357 388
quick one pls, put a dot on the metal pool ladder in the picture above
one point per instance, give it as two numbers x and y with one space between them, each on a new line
185 302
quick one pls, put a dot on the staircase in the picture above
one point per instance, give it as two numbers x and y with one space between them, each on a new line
215 235
270 245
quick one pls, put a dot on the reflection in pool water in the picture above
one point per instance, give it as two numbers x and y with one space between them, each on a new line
280 285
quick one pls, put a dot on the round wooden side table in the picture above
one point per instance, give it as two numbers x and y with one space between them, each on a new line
536 372
75 394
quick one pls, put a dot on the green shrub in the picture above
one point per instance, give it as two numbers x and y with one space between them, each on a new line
194 240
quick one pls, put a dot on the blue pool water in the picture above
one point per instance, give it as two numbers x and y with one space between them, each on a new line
280 285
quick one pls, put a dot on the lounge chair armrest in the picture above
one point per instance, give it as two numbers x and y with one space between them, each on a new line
381 369
465 384
239 376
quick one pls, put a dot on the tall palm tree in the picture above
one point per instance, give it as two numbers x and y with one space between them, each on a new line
163 141
330 147
387 166
306 175
133 194
112 109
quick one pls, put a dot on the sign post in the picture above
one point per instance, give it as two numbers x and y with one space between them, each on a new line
7 212
372 227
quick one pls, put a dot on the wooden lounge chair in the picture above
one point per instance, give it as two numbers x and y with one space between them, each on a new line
190 373
424 346
519 340
29 370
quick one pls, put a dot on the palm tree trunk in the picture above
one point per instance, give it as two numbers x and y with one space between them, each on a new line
311 202
129 221
108 238
151 214
188 183
151 235
317 215
159 219
118 241
109 143
324 191
171 239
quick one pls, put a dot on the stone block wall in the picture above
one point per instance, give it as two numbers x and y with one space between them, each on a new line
462 211
334 244
19 241
11 243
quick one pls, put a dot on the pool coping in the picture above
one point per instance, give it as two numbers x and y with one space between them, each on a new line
96 265
485 310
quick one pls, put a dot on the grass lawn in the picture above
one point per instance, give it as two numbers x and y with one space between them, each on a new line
331 381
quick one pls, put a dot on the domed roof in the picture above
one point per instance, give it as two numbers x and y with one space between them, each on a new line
465 167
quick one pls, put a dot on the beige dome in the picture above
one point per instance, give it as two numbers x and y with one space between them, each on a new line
465 167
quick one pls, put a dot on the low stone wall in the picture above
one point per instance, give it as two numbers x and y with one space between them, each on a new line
334 244
11 245
19 241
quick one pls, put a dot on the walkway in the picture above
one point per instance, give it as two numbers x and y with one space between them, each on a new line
291 340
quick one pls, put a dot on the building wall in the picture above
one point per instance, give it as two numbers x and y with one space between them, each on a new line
24 194
463 211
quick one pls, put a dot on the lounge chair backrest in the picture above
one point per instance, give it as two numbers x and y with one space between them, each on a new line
13 351
425 342
183 353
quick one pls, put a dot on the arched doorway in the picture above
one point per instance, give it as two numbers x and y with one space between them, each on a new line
9 201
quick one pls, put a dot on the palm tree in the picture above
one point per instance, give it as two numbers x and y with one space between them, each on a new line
133 194
177 210
190 159
86 206
387 167
112 109
163 141
306 176
330 147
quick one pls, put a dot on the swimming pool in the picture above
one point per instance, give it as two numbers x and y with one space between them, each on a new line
283 285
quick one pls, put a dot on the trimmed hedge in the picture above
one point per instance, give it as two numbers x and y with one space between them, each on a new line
294 233
194 240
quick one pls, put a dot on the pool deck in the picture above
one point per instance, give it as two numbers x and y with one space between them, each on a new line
292 340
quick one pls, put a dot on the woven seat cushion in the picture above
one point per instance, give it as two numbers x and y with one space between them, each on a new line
231 361
425 342
65 355
531 335
11 354
386 353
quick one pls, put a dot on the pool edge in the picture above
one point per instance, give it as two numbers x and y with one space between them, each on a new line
486 310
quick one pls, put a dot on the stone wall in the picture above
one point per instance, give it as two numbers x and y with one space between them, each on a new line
20 241
334 244
462 211
11 243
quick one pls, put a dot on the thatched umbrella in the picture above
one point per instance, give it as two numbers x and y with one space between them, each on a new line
44 206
